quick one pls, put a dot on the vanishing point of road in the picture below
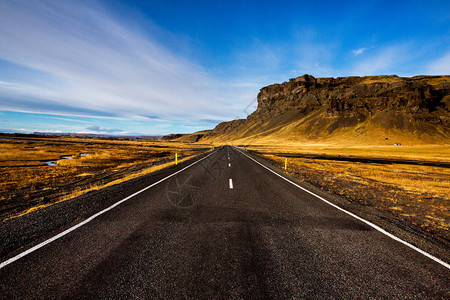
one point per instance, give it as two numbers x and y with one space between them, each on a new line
223 227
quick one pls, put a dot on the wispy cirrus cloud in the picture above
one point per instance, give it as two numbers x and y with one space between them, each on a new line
440 66
95 65
359 51
385 60
106 68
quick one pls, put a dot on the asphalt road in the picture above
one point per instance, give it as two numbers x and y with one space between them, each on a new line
193 236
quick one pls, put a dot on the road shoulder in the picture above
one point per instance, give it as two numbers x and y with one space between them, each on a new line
24 232
408 232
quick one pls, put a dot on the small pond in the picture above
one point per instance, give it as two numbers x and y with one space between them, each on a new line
53 163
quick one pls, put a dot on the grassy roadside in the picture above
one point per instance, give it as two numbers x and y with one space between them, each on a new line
418 195
436 153
28 184
94 187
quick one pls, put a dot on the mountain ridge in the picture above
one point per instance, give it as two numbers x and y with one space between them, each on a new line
370 109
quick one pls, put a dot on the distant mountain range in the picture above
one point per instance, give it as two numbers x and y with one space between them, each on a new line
346 110
41 133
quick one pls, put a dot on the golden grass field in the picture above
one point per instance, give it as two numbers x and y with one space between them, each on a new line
27 183
435 153
416 194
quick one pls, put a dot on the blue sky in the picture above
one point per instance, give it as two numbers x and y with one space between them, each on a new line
158 67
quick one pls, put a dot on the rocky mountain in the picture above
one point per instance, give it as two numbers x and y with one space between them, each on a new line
368 110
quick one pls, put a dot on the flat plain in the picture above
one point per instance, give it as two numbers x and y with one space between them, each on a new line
408 183
36 172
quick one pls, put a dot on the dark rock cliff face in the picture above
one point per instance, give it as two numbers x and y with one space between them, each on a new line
413 104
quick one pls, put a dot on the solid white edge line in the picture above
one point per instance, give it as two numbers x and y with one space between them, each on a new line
359 218
32 249
231 183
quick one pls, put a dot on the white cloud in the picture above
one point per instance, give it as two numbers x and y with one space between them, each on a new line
384 61
358 51
94 128
441 66
98 66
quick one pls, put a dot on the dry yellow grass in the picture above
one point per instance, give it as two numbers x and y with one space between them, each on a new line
143 172
94 187
436 153
26 183
416 179
414 193
381 79
434 80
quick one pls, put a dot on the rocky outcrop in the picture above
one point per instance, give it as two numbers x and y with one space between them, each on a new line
416 106
171 137
185 138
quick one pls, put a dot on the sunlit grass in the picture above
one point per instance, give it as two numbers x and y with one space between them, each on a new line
94 187
417 194
26 182
436 153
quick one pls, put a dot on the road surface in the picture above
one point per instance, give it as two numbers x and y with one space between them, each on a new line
224 227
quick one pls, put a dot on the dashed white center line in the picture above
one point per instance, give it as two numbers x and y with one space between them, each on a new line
229 165
231 183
